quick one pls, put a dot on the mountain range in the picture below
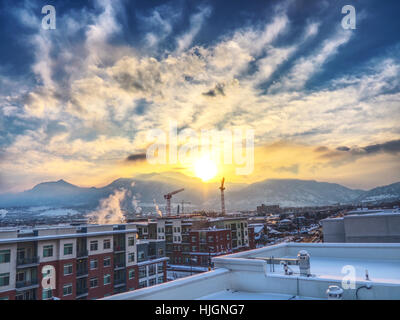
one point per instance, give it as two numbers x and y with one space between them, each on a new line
146 190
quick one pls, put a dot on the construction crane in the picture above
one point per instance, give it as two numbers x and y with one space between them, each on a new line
183 203
222 188
168 197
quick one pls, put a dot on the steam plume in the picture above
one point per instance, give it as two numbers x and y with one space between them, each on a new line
157 208
109 210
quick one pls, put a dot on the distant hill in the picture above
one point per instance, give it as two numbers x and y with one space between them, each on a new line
293 193
381 194
144 189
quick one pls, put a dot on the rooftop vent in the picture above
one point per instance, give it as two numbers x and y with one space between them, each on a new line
304 263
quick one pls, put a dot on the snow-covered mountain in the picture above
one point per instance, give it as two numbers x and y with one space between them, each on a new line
147 189
293 193
381 194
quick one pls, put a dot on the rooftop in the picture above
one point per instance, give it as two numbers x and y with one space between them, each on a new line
11 235
366 211
251 275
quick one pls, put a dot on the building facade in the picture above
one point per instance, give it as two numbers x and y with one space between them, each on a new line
196 241
74 263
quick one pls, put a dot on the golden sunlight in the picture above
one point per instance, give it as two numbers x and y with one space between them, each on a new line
205 169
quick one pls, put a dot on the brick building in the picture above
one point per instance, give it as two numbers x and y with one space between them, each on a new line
73 263
195 241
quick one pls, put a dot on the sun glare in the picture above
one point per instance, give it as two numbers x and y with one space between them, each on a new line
205 169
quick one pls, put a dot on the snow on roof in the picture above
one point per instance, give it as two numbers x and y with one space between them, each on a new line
246 275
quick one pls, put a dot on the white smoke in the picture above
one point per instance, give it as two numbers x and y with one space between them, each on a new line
3 213
135 200
159 213
109 210
135 204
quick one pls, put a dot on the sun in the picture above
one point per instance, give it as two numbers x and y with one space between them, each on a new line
205 169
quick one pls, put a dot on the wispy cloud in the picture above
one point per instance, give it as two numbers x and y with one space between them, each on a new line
107 93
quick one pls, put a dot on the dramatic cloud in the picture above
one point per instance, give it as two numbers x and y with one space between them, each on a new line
94 88
136 157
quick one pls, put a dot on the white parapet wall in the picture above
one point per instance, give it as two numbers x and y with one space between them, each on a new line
189 288
246 272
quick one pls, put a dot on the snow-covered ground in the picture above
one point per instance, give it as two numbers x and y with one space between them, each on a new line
59 212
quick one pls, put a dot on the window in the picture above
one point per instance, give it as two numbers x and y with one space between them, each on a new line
141 256
4 298
67 289
142 272
48 251
193 239
67 249
131 241
152 269
107 262
160 267
93 264
20 276
94 245
131 257
5 256
142 284
94 283
152 282
47 294
160 251
131 274
161 279
67 269
4 279
107 244
107 279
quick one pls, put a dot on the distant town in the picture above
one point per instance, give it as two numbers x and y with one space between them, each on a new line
99 260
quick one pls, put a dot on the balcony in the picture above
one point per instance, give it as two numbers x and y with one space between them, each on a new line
27 262
119 248
119 265
82 254
119 282
82 272
81 292
26 285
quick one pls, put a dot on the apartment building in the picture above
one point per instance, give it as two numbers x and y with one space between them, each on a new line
199 246
73 263
239 229
196 241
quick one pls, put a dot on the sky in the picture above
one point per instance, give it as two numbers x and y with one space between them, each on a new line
77 102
